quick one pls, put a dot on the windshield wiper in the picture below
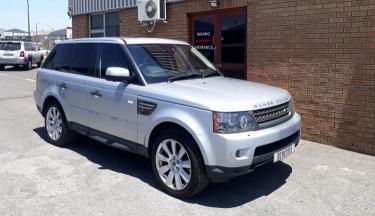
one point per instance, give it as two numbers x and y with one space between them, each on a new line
184 77
215 73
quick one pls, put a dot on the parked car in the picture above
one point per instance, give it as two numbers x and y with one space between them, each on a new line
164 100
19 53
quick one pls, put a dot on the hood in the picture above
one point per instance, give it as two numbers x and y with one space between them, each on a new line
219 94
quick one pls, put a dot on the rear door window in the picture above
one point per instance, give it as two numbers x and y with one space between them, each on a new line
10 46
83 62
28 47
59 59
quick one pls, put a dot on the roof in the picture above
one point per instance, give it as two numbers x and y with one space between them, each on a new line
15 30
60 32
128 40
144 40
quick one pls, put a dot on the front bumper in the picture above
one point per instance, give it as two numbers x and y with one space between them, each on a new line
263 155
222 157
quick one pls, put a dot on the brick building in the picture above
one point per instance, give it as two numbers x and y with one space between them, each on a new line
322 51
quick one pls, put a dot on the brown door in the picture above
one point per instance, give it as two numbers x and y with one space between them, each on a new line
221 37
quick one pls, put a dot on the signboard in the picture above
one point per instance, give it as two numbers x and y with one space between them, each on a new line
204 38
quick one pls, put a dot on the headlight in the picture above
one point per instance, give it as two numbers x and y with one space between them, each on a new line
233 122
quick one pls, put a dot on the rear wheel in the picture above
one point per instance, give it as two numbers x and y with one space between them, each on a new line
56 126
178 165
2 67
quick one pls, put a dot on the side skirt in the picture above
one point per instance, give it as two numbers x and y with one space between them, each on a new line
110 140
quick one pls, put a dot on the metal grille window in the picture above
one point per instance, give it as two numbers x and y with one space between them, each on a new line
105 25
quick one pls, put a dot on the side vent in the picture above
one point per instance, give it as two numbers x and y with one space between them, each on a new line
145 107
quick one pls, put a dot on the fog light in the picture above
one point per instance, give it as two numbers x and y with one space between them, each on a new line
241 153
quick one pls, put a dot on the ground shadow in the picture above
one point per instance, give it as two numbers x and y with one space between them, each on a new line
239 191
16 69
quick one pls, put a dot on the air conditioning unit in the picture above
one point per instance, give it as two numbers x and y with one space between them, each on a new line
152 10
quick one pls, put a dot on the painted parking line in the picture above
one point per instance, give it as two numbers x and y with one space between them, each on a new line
18 77
30 80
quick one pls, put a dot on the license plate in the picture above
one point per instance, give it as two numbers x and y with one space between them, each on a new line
280 155
7 54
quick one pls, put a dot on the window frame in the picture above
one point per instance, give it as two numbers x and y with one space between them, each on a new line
103 30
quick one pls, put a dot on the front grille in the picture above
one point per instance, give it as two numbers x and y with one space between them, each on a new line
272 113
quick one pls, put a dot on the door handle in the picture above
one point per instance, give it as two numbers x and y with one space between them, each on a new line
96 94
63 86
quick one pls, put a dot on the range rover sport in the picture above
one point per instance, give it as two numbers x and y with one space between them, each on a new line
164 100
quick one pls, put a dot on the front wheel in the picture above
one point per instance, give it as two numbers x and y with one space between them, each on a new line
56 127
178 165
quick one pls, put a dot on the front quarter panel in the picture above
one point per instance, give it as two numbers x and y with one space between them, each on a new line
196 121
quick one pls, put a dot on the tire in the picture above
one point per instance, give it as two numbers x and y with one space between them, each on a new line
198 179
29 65
2 67
64 136
41 61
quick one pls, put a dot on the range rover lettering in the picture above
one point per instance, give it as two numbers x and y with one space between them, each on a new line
164 100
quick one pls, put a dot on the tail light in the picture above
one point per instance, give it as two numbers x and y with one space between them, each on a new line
22 54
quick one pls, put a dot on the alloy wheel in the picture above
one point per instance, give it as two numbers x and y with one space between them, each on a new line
173 164
54 123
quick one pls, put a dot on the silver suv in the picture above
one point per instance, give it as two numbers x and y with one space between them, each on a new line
164 100
20 53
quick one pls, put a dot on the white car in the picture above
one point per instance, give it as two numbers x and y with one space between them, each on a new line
164 100
17 53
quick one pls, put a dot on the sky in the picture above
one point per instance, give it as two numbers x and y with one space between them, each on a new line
47 13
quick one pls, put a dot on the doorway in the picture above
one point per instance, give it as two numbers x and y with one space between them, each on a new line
221 37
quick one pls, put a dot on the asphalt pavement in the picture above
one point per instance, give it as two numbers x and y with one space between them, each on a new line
89 178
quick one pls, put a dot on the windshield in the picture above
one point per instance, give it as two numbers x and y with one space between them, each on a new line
10 46
163 62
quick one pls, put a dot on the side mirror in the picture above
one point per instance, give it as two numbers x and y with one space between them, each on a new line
117 74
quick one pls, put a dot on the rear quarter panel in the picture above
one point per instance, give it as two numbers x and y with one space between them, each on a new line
46 86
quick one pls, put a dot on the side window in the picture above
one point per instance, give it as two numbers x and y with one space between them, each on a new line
105 25
97 25
110 55
27 46
59 59
49 59
112 24
84 59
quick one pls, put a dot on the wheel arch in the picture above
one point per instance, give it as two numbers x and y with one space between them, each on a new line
49 99
170 124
